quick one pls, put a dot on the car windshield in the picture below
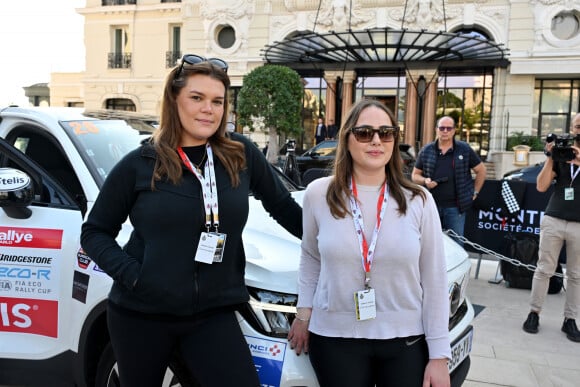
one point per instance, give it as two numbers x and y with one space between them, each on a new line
102 143
326 148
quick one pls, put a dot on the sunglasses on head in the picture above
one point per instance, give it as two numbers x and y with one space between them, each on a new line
366 133
192 60
446 128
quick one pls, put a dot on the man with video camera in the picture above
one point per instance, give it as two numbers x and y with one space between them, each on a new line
561 223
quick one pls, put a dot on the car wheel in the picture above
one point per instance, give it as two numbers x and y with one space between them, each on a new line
108 372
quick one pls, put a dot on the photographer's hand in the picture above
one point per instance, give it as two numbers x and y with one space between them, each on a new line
575 160
548 149
546 175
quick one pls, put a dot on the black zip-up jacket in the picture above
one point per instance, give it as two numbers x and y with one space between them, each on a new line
168 221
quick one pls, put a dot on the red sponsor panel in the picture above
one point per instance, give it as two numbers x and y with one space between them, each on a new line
26 315
40 238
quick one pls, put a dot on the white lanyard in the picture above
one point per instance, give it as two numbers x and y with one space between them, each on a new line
367 252
573 174
208 186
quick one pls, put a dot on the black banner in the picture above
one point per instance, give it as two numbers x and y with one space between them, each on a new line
489 221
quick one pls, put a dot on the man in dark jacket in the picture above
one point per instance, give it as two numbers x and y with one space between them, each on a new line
320 131
444 167
331 130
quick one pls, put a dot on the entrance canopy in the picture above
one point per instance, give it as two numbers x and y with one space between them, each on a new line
384 49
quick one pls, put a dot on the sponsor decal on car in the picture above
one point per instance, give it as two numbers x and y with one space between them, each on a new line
5 285
24 273
25 259
268 358
80 286
83 260
12 179
31 316
29 280
25 282
39 238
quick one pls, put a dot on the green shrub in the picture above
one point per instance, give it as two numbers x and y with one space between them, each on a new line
519 138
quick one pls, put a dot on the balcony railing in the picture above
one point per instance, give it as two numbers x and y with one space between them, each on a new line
171 58
118 2
119 61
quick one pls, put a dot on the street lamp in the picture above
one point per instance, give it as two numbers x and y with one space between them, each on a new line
421 88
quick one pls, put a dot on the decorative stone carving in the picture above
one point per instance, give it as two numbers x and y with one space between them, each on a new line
235 13
544 13
215 9
424 14
282 25
547 2
496 13
337 15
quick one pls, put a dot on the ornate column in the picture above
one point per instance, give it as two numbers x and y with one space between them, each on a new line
330 78
430 112
410 114
348 77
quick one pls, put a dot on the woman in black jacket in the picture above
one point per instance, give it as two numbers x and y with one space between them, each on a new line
180 277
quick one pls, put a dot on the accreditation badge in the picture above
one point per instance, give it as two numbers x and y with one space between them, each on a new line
219 249
206 249
569 193
365 305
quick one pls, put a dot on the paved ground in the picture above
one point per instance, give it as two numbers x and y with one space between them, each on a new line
503 354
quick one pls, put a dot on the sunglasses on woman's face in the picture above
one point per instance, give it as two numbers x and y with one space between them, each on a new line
192 60
366 133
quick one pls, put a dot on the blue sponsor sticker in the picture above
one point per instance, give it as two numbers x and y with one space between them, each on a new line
268 357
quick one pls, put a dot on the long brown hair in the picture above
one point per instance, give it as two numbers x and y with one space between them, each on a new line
339 187
167 138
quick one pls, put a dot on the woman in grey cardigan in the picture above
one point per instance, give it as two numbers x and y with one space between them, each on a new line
373 303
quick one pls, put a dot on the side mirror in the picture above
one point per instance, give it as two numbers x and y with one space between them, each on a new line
16 193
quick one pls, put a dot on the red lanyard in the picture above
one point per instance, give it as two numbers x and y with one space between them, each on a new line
367 251
208 186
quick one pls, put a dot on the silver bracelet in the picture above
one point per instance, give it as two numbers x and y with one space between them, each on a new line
302 319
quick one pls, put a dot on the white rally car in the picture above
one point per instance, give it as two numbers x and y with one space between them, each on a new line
53 327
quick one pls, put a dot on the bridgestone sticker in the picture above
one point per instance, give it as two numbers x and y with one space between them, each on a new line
30 268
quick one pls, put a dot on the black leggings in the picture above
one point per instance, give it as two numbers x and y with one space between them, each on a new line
213 348
344 362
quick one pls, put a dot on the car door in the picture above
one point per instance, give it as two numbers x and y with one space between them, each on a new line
37 251
320 156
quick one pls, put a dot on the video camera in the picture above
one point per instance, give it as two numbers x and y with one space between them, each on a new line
562 151
290 145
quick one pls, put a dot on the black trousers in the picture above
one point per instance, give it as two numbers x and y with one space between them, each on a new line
345 362
213 348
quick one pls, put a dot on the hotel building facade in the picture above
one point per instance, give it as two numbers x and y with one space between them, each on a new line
498 67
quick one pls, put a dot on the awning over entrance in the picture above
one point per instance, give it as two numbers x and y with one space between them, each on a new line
385 48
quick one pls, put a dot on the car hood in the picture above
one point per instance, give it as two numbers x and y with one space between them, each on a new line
273 254
455 255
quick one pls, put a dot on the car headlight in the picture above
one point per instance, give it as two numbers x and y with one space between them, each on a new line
457 291
274 311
